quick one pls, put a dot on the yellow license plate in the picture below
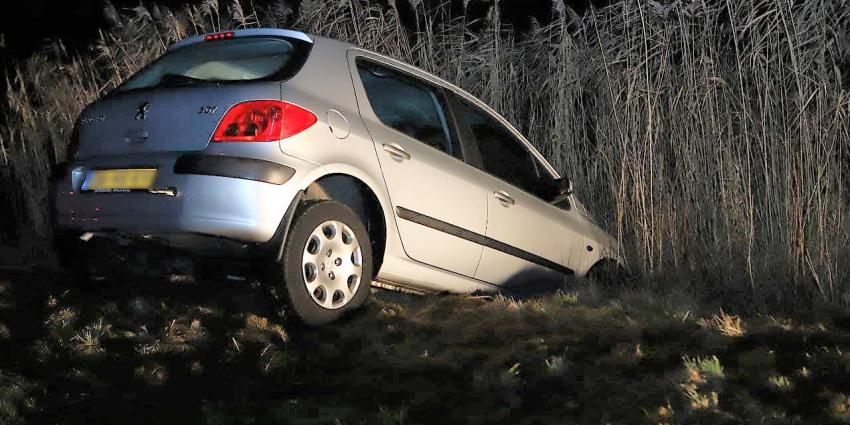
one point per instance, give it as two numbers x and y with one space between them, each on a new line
128 179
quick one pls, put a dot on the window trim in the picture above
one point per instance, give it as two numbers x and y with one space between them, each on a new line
466 140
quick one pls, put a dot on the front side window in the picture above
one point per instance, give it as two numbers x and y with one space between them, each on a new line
502 154
239 59
407 105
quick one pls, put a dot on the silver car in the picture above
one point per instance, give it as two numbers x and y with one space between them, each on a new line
342 167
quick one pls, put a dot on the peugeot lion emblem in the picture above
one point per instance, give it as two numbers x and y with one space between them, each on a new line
142 112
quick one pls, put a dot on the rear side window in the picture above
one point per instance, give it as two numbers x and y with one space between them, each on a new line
408 105
502 154
239 59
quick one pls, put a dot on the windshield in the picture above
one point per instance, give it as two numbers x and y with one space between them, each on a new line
239 59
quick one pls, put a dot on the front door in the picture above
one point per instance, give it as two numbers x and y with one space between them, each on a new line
529 241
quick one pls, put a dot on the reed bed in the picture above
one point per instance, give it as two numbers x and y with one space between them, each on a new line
710 136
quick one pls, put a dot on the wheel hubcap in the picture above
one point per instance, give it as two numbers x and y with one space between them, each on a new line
332 264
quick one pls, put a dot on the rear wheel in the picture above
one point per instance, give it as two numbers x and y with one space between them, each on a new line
327 262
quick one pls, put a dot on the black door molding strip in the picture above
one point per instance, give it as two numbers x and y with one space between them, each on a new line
462 233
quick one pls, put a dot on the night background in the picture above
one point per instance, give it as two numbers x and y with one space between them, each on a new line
76 22
711 138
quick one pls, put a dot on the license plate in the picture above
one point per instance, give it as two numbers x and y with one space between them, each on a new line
120 180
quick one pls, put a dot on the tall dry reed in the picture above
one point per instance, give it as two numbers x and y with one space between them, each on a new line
710 136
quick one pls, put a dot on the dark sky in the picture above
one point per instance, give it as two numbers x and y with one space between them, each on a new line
26 24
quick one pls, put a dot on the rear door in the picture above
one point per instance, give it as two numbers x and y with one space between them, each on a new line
530 241
433 198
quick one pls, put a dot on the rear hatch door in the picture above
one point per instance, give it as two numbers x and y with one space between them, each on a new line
176 102
166 119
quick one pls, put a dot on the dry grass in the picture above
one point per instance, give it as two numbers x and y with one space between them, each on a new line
726 324
212 352
709 137
88 340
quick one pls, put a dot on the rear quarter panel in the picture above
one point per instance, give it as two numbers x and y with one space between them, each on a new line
339 142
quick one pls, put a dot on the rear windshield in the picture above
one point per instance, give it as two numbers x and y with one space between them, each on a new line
239 59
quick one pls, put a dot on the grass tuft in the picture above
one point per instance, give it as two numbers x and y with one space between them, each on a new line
87 341
704 382
727 324
780 383
700 367
840 407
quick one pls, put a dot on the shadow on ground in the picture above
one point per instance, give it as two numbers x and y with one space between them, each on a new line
143 351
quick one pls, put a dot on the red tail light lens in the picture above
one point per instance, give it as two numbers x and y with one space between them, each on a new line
219 36
263 121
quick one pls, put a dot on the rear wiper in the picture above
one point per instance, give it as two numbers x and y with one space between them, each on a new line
181 80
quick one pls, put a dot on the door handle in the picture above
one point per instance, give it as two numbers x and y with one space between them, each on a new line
396 151
504 198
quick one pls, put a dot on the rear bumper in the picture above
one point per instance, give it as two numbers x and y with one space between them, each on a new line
239 168
240 199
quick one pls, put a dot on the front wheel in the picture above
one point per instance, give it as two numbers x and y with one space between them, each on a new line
327 262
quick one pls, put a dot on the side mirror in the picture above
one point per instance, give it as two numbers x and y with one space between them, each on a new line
559 191
564 187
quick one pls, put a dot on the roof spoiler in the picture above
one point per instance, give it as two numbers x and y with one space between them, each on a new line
272 32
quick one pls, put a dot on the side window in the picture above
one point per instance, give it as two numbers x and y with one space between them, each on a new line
502 154
408 105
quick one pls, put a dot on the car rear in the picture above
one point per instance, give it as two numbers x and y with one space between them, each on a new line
190 144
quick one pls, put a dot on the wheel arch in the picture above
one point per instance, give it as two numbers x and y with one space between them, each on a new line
609 269
361 194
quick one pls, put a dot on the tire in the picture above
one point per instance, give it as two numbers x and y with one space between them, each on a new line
314 273
611 275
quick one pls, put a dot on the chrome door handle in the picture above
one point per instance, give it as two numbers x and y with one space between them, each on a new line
396 151
504 198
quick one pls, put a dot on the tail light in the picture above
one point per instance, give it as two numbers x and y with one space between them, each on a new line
263 121
220 36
